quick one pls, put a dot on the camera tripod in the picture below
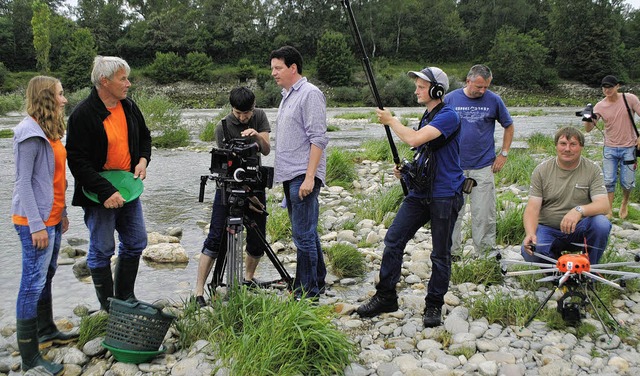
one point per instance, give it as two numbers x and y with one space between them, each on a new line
230 256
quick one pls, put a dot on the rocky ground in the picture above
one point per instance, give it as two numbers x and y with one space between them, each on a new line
396 343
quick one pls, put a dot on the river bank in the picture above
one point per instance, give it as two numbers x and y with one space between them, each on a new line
389 344
396 343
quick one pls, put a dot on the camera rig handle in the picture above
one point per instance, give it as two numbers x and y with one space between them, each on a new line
203 183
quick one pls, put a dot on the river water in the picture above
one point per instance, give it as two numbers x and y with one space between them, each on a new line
170 199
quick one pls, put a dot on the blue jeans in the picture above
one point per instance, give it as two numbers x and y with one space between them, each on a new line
102 222
38 268
217 226
619 159
594 231
303 214
413 214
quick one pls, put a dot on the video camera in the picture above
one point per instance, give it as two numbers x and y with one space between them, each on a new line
237 167
587 113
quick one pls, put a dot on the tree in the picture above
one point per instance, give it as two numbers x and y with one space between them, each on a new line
80 52
41 41
519 59
585 39
334 59
484 18
104 19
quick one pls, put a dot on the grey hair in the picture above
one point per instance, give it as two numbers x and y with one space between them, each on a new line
107 66
479 70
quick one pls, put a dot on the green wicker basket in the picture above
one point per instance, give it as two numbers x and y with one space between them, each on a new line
136 325
131 356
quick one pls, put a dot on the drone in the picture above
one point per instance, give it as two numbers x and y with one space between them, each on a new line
575 275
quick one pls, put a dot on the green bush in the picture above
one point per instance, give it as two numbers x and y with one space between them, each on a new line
484 271
11 102
74 98
519 59
346 95
396 92
270 96
166 68
208 134
346 261
79 55
92 326
198 67
4 72
163 119
334 59
377 206
245 70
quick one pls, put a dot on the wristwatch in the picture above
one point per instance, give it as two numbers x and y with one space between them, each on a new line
579 209
504 153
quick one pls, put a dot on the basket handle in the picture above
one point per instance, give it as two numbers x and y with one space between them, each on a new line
135 303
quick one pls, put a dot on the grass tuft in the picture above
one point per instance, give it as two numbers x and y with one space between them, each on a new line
92 326
341 169
346 261
264 334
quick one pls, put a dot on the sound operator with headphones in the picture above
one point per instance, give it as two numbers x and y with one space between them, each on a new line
435 182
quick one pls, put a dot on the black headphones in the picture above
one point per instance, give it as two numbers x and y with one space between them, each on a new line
437 90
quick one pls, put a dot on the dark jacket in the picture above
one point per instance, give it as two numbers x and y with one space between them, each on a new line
87 146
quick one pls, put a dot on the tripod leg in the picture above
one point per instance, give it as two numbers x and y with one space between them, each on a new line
593 291
539 308
218 269
234 252
284 274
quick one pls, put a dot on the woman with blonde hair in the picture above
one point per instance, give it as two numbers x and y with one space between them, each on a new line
39 215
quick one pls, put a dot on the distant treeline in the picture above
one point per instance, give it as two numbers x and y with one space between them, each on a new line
527 43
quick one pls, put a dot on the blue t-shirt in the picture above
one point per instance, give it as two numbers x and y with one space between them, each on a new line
448 175
478 117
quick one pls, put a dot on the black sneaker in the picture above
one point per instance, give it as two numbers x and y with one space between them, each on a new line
432 317
377 305
251 284
200 301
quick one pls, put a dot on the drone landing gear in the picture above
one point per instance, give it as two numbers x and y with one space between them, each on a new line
578 292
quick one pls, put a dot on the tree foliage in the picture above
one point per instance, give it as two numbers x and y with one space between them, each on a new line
519 59
586 39
334 60
80 52
41 41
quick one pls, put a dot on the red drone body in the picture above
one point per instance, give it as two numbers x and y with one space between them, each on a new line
574 263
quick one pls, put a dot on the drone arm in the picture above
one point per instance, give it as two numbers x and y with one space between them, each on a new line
600 279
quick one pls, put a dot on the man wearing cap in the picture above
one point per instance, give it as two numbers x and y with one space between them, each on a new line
107 131
620 140
435 180
479 109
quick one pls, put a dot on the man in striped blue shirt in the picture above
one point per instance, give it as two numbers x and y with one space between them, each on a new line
300 164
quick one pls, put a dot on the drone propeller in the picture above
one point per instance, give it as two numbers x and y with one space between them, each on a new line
532 271
550 278
605 281
529 263
632 264
615 272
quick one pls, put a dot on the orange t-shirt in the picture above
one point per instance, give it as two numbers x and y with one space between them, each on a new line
118 157
59 187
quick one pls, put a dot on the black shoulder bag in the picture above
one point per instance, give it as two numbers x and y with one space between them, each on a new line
632 122
420 173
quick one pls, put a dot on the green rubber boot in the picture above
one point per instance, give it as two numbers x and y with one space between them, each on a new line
27 333
48 333
103 283
125 278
